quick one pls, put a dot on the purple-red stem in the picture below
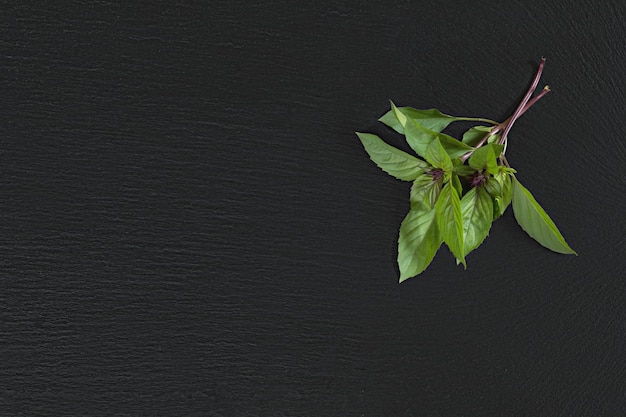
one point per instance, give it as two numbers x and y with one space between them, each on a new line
520 107
523 106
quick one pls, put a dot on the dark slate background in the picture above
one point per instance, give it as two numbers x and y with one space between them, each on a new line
189 226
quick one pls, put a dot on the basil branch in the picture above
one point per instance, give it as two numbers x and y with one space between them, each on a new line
520 107
523 106
459 187
496 129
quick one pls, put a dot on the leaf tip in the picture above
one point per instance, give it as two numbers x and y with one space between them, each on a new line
403 278
361 135
402 119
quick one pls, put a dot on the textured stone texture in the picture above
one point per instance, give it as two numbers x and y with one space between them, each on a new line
189 227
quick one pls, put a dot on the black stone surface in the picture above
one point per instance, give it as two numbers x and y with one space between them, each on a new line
189 227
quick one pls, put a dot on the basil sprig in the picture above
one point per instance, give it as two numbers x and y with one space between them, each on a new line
459 186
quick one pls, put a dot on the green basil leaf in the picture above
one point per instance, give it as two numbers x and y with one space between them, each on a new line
477 211
492 186
464 170
392 160
450 221
497 207
506 186
400 117
418 242
457 184
494 139
536 222
419 137
453 147
425 191
431 119
474 134
437 156
485 158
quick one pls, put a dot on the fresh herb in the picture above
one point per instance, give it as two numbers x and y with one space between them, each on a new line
459 186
